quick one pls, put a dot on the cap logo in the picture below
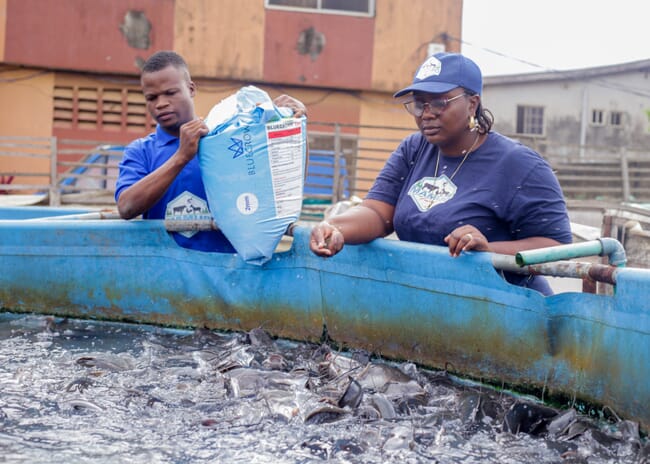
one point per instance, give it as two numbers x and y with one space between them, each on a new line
431 67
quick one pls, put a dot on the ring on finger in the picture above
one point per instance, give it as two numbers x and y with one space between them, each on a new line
469 237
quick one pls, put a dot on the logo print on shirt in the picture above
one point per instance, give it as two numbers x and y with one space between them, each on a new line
187 207
431 191
237 147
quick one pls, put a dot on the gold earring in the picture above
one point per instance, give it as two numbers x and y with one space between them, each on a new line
473 124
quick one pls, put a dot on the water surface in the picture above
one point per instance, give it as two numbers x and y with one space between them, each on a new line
86 391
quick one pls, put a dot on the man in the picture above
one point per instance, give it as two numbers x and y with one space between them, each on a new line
159 175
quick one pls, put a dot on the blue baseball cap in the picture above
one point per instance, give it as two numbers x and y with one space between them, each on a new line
443 72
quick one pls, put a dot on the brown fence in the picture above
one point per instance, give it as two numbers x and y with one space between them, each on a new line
624 177
26 164
59 170
344 160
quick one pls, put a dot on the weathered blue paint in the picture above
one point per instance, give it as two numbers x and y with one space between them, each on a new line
33 212
398 299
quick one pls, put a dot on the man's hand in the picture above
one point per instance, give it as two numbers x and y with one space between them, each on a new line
190 134
289 102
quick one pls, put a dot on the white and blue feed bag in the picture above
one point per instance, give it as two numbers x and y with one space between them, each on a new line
253 163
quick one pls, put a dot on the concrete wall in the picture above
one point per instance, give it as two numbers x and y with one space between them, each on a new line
344 68
3 28
221 39
23 91
230 43
231 39
110 36
403 31
568 106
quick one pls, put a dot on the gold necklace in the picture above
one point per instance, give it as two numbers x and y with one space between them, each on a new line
465 152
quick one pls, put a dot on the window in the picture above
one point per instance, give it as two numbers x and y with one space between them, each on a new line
109 109
530 120
349 7
615 118
597 117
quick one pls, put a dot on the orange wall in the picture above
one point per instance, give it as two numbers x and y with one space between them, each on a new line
232 39
3 27
350 79
222 39
338 54
262 45
379 111
84 35
403 30
401 38
26 95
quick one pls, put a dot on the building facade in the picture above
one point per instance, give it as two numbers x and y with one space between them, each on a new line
70 68
579 114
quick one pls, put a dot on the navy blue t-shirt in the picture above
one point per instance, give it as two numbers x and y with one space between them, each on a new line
185 199
504 189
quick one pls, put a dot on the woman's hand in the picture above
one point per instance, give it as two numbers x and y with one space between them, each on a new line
465 238
326 240
289 102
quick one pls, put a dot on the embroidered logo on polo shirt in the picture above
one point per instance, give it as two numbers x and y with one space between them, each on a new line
187 207
431 191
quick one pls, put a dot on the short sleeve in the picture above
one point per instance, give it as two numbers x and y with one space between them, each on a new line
538 207
391 179
132 167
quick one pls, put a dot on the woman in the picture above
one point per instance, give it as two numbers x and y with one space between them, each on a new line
456 182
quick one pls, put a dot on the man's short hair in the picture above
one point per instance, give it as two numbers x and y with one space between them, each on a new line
160 60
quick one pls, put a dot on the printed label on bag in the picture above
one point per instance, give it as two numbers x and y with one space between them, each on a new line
284 139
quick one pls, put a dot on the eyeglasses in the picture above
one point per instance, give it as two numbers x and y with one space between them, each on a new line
436 105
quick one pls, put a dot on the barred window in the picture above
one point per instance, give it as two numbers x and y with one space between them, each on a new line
110 109
616 118
530 120
349 7
597 117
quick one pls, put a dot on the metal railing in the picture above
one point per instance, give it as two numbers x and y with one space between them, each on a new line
59 170
345 159
26 163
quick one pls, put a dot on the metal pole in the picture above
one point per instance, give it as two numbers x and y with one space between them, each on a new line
603 246
625 174
588 272
185 226
106 214
583 121
336 180
55 198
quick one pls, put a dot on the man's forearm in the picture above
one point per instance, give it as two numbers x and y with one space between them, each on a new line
141 196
